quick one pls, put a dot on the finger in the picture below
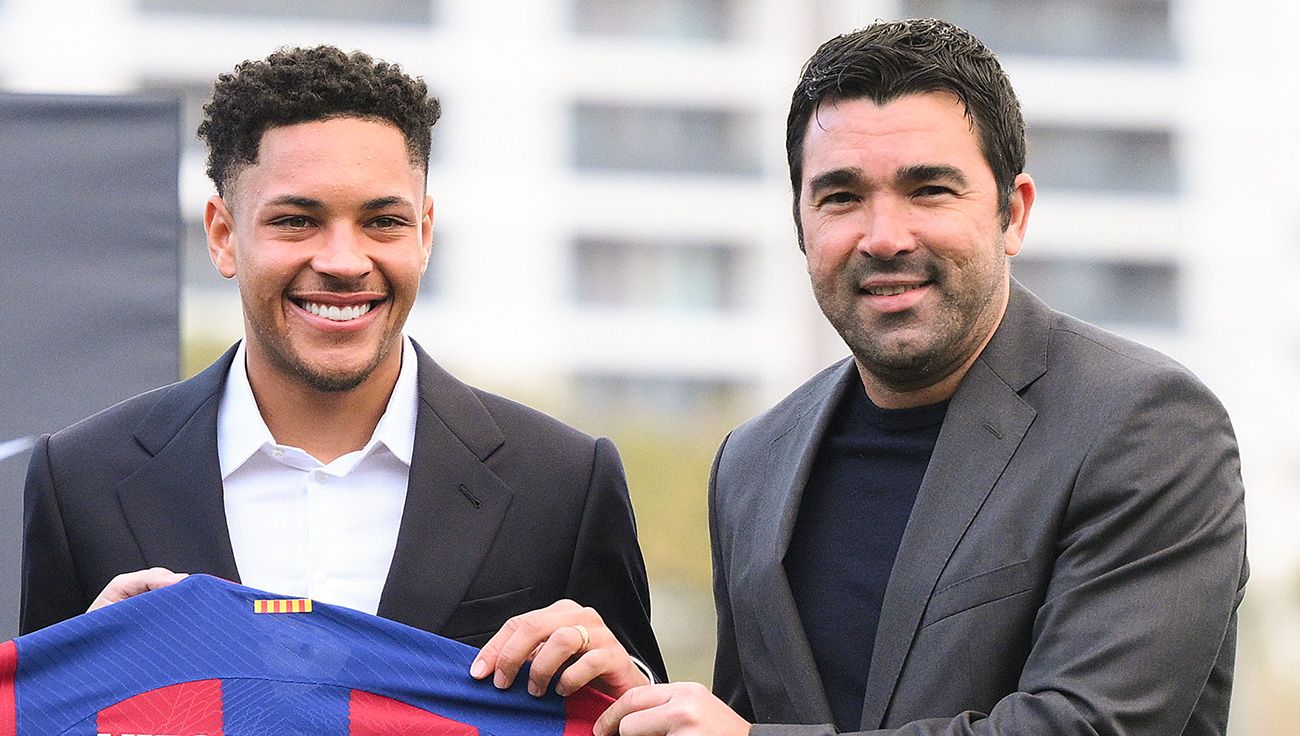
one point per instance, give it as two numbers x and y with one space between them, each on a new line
633 701
564 645
586 668
131 584
610 671
527 632
486 661
649 722
519 638
489 657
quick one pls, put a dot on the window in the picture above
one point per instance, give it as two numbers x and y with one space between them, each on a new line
1106 292
374 11
650 275
1121 29
1107 159
665 139
197 270
193 96
667 19
671 398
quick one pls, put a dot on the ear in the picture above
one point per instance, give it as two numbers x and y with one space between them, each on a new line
220 228
1022 200
426 229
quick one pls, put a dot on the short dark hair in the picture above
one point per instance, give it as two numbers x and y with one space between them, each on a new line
300 85
889 60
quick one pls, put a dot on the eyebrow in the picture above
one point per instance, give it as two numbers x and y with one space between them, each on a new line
295 200
383 203
852 176
316 205
930 172
835 178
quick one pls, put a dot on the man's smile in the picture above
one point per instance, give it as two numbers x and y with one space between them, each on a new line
334 312
892 289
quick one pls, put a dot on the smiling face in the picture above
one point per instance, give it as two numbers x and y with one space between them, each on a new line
328 234
906 249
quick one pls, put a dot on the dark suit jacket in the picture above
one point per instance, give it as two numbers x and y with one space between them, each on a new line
506 510
1072 565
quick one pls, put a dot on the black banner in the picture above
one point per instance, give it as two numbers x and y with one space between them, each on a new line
90 235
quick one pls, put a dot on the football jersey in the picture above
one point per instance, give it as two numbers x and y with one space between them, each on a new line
205 657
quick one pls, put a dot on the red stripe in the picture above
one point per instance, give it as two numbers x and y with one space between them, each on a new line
375 715
8 671
184 708
581 710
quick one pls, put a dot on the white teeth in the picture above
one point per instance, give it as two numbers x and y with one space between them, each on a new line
890 290
335 313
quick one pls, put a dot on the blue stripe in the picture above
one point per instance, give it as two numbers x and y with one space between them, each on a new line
204 628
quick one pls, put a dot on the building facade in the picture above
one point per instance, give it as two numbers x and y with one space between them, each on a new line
613 238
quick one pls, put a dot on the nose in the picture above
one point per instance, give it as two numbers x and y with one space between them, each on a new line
342 254
887 232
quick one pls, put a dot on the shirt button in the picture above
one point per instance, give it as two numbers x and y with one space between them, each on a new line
319 476
277 453
318 577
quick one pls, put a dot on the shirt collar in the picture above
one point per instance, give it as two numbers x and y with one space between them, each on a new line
396 428
241 431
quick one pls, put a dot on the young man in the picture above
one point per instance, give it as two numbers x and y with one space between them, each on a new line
992 518
327 455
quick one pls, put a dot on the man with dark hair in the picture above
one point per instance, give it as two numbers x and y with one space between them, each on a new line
992 518
326 455
307 84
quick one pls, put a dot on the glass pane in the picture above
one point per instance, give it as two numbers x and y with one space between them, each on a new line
1105 292
373 11
1122 29
193 96
671 19
1107 159
664 139
657 276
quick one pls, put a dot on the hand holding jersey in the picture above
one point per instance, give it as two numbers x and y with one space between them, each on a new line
134 583
565 639
208 656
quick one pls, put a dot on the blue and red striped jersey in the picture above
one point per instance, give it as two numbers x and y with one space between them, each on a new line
205 657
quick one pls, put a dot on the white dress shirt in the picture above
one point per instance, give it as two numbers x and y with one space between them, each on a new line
305 528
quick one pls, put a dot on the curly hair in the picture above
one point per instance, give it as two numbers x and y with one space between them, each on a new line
299 85
889 60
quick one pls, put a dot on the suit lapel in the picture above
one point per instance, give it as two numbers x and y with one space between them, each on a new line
174 502
789 462
454 503
984 426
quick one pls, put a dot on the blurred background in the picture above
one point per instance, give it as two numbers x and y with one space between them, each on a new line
613 241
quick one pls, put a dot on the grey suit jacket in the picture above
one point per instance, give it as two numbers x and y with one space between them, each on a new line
1072 565
506 510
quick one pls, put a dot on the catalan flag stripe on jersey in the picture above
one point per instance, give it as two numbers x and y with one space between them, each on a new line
198 659
282 605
